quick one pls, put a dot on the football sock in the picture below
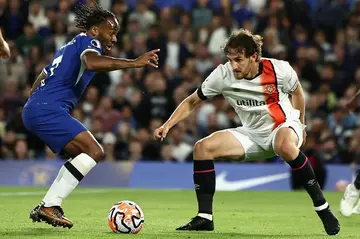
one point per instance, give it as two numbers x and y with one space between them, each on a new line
68 178
204 182
357 181
305 173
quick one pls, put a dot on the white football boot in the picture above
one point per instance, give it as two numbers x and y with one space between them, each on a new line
351 195
356 209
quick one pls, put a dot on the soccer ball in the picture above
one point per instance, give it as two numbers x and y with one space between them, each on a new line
126 217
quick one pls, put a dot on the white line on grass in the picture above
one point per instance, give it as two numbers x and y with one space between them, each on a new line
90 191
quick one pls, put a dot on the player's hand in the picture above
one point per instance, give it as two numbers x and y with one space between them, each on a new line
160 133
148 58
4 50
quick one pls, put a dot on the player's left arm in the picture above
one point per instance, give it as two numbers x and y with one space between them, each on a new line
292 86
37 83
298 101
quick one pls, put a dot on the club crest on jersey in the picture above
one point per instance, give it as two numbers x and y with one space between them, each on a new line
95 43
269 89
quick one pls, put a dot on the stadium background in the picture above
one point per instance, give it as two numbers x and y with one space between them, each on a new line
320 38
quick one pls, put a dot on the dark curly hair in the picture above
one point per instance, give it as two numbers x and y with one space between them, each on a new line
86 17
244 40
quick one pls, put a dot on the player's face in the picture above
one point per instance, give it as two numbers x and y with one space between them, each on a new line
107 34
240 64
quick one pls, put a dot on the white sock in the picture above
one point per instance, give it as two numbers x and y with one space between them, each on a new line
206 216
68 178
353 188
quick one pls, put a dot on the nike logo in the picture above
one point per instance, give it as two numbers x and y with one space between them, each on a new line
224 185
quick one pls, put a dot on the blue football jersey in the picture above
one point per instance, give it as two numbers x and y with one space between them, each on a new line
66 76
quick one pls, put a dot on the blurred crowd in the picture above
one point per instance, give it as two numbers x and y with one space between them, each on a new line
320 38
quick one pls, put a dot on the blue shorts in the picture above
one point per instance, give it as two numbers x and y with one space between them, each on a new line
55 127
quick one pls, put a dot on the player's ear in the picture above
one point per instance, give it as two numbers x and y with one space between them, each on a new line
254 57
95 31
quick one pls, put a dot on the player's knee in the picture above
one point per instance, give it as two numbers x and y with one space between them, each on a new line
203 150
286 150
97 153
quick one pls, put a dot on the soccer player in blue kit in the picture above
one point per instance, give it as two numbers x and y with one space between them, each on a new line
56 91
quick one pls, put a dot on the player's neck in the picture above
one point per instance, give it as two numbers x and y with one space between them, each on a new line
89 33
255 70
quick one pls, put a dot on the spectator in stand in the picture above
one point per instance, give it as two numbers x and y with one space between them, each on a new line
320 39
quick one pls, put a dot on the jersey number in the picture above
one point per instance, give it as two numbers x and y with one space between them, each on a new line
55 64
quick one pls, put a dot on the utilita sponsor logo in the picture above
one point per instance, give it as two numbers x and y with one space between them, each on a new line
250 103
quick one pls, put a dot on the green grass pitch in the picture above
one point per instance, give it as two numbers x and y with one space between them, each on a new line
243 214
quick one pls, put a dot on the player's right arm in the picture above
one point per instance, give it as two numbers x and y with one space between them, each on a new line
96 62
4 48
211 87
181 112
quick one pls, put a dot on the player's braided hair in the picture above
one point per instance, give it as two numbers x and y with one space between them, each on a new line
86 17
244 40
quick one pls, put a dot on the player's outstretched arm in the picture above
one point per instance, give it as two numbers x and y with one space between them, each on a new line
95 62
181 112
4 48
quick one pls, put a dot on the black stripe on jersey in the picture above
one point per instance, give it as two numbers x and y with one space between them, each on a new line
292 89
276 85
201 94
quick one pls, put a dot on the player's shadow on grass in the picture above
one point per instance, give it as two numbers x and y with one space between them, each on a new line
228 235
34 232
253 235
196 235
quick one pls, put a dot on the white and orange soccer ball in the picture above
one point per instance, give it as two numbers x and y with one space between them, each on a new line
126 217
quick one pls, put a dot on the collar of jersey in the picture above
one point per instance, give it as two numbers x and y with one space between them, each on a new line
259 72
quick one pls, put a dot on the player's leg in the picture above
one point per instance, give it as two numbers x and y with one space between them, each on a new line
218 144
61 132
85 152
286 144
351 196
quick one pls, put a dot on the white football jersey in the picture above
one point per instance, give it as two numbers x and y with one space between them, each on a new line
262 103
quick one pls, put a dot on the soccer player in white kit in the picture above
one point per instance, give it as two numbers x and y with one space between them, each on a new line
258 89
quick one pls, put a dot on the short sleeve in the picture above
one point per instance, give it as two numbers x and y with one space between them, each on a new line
89 44
290 80
213 84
